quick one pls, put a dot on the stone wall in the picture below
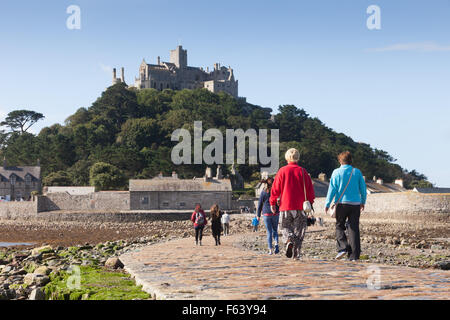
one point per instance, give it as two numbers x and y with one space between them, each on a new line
179 200
105 200
403 203
18 209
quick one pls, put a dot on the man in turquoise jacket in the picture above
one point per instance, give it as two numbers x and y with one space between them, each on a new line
348 190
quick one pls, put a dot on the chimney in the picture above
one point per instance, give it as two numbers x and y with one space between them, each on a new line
399 182
174 175
323 177
122 78
114 75
219 174
159 60
208 174
38 163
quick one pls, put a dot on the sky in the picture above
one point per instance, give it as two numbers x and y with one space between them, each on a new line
389 87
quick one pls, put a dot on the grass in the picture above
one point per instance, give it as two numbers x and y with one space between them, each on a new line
96 284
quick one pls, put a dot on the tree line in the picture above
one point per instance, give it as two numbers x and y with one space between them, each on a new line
125 134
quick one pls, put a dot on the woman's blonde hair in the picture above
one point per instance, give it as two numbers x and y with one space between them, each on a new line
292 155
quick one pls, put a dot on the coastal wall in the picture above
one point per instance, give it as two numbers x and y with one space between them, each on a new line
401 203
114 206
104 200
18 209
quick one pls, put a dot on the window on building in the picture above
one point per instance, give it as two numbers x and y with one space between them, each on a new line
182 204
165 204
144 200
12 179
28 180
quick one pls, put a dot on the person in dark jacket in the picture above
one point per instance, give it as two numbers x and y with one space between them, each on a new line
199 220
216 224
270 218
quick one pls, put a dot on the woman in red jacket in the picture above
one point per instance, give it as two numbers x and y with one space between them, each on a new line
199 220
292 183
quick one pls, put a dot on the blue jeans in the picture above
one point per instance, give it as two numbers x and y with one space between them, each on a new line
272 229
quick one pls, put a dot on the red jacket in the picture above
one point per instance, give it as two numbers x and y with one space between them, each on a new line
288 186
204 218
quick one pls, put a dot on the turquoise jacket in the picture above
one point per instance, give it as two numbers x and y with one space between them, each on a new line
356 192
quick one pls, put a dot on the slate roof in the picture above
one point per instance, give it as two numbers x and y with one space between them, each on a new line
432 190
175 184
20 172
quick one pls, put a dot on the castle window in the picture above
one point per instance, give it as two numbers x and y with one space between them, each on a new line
161 86
165 204
28 180
182 204
12 180
144 200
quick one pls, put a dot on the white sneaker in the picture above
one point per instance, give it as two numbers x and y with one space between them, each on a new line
270 251
341 255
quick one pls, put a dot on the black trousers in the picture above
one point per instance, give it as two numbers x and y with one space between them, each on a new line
347 217
198 233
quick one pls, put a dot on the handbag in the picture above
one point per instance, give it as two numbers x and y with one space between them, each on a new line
307 207
333 207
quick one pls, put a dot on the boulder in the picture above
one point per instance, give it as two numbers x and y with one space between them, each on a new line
44 249
42 270
37 294
36 279
443 265
114 263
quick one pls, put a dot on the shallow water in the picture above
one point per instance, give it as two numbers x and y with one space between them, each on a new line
14 244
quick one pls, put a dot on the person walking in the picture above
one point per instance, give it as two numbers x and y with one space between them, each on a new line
270 218
216 225
199 219
292 187
255 223
226 223
347 185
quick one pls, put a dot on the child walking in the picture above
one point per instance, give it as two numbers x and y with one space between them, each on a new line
255 223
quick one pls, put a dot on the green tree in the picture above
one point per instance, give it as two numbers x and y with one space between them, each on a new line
21 120
59 178
105 176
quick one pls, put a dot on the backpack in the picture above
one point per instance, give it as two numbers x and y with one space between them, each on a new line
199 219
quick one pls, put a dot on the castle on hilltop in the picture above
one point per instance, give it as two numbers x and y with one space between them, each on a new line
177 75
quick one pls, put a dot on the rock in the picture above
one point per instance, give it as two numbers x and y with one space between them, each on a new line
443 265
44 249
7 269
114 263
36 279
436 247
42 270
37 294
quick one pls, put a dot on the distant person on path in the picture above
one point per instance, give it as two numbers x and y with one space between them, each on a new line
291 184
255 223
199 220
348 190
216 223
226 223
270 218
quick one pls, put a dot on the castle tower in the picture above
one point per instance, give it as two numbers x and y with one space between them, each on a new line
179 57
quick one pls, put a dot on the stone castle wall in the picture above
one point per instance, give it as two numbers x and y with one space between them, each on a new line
18 209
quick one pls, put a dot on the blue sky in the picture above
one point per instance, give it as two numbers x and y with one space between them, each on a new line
388 87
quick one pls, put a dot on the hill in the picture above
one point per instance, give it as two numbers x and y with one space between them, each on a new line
126 133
